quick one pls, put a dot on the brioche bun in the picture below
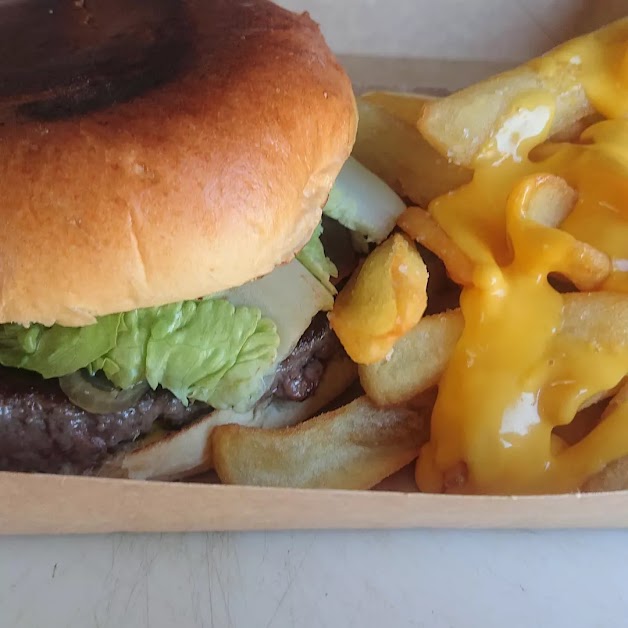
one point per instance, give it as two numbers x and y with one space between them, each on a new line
199 183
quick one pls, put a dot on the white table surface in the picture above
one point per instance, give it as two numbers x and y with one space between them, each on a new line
381 579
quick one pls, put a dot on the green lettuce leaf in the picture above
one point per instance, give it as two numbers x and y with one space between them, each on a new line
313 257
207 350
56 351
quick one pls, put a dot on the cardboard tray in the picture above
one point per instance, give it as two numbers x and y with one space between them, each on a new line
32 504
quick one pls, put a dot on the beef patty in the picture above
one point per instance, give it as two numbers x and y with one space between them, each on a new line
300 373
42 430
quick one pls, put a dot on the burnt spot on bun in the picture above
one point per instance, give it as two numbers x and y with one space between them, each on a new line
89 92
83 55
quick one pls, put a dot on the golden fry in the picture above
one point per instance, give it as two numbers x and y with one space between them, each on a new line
383 300
419 358
395 151
402 105
355 447
572 133
416 362
600 317
460 126
614 477
545 201
420 225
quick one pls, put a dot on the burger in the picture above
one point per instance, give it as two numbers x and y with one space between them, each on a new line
164 264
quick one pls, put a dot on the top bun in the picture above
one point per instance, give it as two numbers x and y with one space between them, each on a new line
207 179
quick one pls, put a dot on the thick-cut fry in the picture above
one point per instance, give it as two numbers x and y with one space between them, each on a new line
572 133
614 477
420 357
420 225
600 317
416 362
395 151
402 105
368 321
597 446
546 147
460 125
545 201
355 447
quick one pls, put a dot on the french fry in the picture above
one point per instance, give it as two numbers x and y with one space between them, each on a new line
572 133
401 105
461 125
545 99
355 447
369 322
420 357
417 361
542 199
420 225
395 151
600 317
546 201
614 477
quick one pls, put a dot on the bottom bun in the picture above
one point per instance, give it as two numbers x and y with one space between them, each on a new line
187 452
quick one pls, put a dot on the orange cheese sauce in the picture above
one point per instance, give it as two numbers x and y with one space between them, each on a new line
516 374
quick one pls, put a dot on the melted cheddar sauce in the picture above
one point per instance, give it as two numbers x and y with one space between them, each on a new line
516 372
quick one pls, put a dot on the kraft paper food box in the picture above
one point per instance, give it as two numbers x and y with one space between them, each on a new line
410 45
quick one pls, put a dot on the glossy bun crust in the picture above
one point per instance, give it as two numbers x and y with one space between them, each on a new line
209 177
